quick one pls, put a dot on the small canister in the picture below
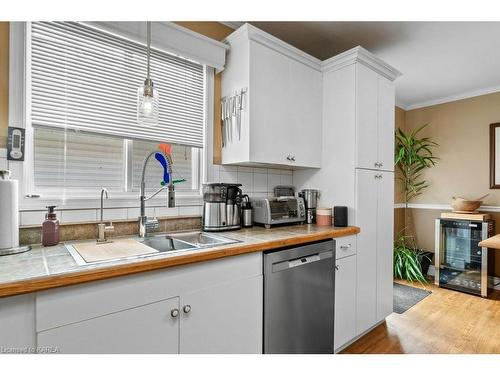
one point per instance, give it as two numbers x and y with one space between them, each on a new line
324 216
246 212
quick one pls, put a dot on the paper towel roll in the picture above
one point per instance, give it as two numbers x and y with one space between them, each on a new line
9 213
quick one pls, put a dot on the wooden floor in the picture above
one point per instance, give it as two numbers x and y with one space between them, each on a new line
444 322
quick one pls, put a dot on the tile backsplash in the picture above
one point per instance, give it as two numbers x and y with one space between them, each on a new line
256 182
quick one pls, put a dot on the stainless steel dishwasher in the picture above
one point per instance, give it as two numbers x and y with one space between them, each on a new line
298 299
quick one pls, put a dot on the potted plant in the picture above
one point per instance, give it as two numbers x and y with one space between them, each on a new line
407 261
413 155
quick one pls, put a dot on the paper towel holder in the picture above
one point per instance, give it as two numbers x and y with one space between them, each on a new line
5 175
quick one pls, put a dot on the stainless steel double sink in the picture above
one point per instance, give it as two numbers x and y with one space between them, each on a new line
165 243
184 241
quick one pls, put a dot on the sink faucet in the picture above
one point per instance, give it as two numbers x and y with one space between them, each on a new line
102 228
146 223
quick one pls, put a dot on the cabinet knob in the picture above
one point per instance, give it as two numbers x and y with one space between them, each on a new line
288 158
293 158
186 309
174 313
337 267
345 247
376 164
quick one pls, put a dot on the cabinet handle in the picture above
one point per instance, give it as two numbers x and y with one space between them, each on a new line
288 158
378 176
376 164
293 158
186 309
380 165
174 313
337 267
345 247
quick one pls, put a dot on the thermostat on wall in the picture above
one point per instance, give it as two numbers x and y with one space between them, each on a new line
15 144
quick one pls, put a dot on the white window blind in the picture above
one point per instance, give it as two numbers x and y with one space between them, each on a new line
69 161
181 169
86 79
65 160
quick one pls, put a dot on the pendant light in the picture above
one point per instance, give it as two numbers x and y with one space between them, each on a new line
147 95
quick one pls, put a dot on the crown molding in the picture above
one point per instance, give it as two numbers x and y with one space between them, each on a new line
252 33
360 55
233 24
454 98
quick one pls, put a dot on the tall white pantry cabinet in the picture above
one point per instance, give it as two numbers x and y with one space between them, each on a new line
357 171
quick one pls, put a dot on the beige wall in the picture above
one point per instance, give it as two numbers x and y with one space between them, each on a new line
4 81
462 130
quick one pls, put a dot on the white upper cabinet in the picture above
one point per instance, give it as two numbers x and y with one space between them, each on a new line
374 120
281 119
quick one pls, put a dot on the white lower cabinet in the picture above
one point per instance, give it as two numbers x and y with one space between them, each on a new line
209 307
345 301
223 319
144 329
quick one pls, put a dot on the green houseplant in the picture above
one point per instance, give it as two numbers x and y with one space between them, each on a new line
413 154
407 261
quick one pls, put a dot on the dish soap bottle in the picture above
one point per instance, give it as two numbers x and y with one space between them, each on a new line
50 228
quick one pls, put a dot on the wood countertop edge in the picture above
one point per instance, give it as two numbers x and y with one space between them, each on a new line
78 277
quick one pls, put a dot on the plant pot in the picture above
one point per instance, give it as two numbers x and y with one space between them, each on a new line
425 259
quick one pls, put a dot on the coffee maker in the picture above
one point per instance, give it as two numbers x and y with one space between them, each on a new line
221 207
311 201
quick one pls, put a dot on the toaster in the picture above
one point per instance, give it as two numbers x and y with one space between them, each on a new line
278 210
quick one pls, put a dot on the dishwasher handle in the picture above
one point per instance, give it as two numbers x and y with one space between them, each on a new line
301 261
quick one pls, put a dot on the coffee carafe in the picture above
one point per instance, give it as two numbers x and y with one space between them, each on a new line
221 207
311 202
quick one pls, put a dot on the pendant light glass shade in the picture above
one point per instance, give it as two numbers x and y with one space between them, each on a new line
148 97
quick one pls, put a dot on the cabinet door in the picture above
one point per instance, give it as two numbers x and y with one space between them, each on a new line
17 321
386 123
385 239
366 218
304 127
145 329
345 301
269 105
366 117
225 318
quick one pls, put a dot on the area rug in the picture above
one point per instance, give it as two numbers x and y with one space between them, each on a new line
407 296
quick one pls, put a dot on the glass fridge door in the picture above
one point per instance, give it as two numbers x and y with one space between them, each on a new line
460 257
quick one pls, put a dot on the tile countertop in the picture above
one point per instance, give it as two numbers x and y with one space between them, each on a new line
50 267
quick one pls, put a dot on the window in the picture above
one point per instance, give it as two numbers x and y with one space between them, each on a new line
82 108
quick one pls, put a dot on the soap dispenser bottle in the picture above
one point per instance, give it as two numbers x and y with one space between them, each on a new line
50 228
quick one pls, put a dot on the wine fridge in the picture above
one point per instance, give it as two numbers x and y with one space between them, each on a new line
460 263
